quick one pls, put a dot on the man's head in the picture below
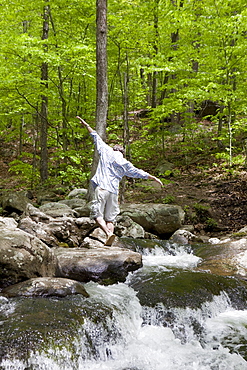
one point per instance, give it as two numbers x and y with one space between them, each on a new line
118 148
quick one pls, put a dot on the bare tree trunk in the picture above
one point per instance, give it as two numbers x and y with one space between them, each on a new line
101 68
155 73
126 135
44 105
62 95
101 78
22 121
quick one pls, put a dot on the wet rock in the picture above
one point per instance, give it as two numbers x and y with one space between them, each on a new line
224 256
182 237
186 236
105 265
45 287
186 289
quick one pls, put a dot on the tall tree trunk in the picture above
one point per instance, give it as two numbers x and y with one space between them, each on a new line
101 78
101 67
61 94
44 104
155 46
126 134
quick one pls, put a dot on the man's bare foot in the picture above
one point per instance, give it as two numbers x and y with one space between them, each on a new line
110 240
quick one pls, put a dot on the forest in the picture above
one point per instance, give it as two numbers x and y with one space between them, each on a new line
176 80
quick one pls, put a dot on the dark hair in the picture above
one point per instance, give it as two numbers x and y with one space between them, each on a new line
118 148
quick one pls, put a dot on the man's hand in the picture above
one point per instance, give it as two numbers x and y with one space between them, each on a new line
85 124
82 121
151 177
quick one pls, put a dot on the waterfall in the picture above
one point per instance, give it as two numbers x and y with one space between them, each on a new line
122 333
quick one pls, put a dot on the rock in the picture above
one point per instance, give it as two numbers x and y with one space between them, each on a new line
74 203
46 196
225 257
45 287
3 300
8 223
56 209
85 223
164 167
182 237
84 211
98 234
14 201
126 227
36 214
105 265
91 243
78 193
59 230
65 230
23 256
208 108
160 219
241 232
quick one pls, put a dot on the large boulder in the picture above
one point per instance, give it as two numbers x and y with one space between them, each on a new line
105 265
45 287
22 256
160 219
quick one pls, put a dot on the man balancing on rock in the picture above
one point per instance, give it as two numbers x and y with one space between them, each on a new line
111 168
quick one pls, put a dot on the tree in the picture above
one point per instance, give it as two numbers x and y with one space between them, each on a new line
101 78
44 103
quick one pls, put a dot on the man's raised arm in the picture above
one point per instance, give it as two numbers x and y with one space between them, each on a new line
85 124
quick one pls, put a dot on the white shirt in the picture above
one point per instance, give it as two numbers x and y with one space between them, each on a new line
112 167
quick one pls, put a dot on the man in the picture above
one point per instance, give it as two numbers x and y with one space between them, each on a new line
111 168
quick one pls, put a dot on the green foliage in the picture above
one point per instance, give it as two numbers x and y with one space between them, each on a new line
175 55
201 208
169 199
26 172
72 176
211 224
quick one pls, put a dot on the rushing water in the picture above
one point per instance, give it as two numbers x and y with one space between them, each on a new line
167 316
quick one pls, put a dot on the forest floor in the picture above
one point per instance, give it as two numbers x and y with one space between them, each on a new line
212 205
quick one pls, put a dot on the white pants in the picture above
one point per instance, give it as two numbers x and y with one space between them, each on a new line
104 204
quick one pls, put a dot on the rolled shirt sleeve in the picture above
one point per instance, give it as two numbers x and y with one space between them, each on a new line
132 171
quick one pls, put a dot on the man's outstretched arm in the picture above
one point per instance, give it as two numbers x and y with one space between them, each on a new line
131 171
85 124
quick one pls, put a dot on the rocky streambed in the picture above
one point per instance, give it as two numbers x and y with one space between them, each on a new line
54 248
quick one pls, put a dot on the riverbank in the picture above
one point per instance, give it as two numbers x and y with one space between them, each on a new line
214 204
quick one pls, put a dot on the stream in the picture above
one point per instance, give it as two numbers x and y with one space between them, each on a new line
168 315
